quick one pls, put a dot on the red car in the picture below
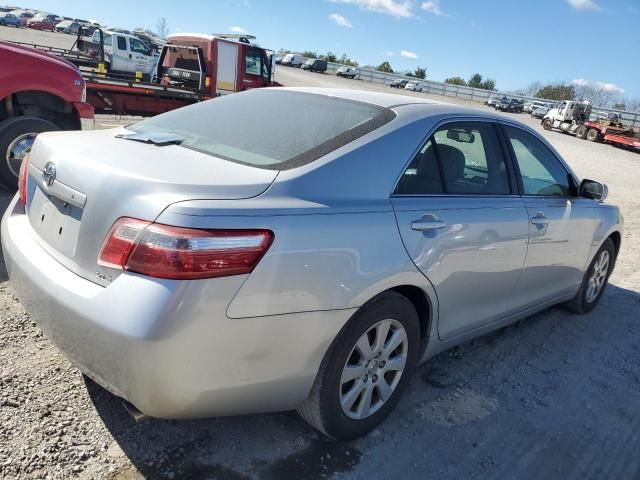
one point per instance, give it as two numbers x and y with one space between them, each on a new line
43 23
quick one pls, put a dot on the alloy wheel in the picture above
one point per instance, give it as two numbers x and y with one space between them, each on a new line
373 369
598 277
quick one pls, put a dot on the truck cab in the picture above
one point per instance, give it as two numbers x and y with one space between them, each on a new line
122 52
228 63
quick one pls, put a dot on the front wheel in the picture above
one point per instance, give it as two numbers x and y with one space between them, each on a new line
17 135
365 370
595 279
547 124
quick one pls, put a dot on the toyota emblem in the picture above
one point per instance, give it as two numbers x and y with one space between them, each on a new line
49 174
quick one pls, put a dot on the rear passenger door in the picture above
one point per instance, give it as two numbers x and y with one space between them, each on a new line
463 223
561 224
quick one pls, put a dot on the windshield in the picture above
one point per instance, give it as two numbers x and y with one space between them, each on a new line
268 128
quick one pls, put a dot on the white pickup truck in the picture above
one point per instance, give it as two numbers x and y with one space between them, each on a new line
122 52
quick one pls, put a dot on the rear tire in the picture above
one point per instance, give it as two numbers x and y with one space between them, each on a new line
593 135
581 132
341 404
595 279
11 130
547 124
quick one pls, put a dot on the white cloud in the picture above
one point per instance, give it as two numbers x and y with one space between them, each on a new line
394 8
388 53
406 54
237 29
584 5
601 86
432 6
609 87
340 20
580 82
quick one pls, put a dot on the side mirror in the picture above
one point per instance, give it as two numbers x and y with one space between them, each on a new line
593 190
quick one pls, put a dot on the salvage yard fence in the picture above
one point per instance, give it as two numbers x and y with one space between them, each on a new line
467 93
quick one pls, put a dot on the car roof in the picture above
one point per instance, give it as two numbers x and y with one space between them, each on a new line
404 105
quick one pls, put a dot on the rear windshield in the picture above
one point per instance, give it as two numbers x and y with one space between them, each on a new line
269 128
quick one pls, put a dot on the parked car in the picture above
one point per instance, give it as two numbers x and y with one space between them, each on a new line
279 58
347 72
493 100
43 22
23 16
68 26
530 106
315 65
9 19
539 112
414 85
399 83
293 60
243 278
513 105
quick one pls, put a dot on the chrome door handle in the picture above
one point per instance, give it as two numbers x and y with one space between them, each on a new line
540 220
425 224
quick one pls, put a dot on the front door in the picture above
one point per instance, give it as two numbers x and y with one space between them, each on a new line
561 224
463 224
121 60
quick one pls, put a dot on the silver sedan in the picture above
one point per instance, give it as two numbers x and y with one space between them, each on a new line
297 248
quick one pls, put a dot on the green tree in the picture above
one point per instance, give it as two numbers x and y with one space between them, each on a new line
475 81
619 106
420 72
385 67
456 81
309 54
488 84
556 92
330 57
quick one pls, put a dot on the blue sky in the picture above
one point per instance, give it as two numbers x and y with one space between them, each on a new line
512 41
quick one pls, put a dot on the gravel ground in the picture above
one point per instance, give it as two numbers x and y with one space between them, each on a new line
554 396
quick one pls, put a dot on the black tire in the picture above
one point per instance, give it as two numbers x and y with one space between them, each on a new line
593 135
581 132
547 124
11 129
579 303
322 409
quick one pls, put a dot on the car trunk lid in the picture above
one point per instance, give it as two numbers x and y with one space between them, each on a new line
81 183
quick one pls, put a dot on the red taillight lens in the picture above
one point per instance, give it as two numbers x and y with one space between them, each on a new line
23 176
182 253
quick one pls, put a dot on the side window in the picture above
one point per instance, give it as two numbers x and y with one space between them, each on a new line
95 38
541 172
252 64
107 39
423 175
122 43
138 47
461 158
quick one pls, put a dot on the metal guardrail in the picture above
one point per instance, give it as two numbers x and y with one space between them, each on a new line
469 93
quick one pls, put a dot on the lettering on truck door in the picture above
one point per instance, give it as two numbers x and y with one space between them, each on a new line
227 68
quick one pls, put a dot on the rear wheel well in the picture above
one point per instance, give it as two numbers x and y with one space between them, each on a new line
42 105
421 303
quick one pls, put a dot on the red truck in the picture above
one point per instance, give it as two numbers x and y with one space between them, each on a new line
38 93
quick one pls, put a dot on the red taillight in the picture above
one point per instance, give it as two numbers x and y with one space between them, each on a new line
22 179
182 253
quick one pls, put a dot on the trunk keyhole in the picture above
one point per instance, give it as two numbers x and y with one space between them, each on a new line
42 218
60 231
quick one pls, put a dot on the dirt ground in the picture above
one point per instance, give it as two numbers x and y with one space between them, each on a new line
556 396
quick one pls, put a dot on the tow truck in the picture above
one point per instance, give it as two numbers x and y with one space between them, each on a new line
191 67
574 117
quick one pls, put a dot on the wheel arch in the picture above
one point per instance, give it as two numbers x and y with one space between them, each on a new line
41 104
424 308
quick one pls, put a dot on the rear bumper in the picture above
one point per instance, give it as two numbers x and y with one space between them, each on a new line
168 347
